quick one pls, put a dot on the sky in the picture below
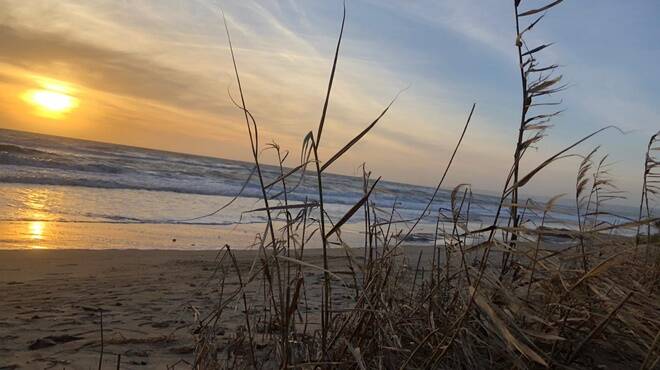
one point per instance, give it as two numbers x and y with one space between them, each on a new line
157 74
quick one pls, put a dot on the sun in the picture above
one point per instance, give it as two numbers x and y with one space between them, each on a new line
52 100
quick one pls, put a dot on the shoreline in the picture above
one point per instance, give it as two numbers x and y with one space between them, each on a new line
54 235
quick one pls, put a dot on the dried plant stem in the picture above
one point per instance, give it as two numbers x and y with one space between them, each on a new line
597 329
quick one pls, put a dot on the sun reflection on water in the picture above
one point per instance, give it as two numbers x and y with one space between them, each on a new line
36 233
37 229
34 211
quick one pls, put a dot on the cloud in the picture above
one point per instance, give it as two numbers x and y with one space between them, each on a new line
105 70
488 26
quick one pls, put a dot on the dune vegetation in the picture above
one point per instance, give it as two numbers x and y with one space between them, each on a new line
499 297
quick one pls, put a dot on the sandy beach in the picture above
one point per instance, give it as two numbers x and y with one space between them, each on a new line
52 300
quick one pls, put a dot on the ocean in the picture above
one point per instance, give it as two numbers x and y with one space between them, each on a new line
59 192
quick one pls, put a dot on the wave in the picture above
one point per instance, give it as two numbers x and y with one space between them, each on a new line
332 196
44 160
17 155
54 164
9 148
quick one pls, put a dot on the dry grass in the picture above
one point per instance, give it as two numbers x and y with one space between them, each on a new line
503 296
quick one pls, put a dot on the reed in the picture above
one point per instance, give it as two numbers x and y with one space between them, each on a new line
501 296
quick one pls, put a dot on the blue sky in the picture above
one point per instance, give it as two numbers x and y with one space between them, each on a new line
156 74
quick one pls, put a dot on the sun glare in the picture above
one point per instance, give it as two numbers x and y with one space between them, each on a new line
52 101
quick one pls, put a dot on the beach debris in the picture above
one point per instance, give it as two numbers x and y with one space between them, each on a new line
182 350
136 353
52 340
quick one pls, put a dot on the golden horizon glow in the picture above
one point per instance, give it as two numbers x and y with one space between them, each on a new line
53 100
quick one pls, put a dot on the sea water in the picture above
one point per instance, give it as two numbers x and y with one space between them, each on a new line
66 193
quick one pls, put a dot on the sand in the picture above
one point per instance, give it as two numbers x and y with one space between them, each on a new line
51 303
